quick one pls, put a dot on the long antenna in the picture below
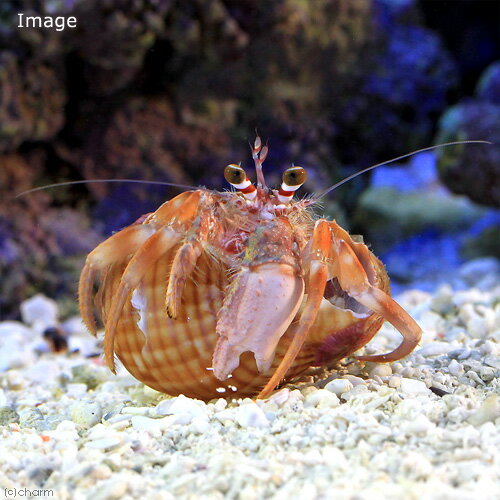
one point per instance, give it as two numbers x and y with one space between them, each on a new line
430 148
130 181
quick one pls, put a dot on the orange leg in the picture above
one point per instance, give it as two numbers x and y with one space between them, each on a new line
185 260
353 278
315 287
153 248
111 251
182 267
179 210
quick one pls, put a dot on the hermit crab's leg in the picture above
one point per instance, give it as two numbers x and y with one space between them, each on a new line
185 259
353 278
112 251
178 211
152 249
315 287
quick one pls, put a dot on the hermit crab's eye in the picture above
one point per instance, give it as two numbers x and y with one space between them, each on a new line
293 178
237 177
234 174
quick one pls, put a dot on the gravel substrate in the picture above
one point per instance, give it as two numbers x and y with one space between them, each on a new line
425 427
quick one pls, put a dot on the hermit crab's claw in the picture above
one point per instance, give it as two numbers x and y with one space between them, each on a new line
257 311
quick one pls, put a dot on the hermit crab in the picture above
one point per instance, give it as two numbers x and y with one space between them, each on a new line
230 293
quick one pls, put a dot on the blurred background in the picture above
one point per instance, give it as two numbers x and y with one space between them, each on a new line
170 90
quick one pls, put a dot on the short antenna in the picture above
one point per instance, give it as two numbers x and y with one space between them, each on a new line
259 154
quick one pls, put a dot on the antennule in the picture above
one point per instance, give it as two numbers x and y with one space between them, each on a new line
259 154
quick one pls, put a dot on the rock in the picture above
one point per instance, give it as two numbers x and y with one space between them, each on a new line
381 370
392 214
138 410
3 398
184 409
474 271
411 386
88 374
104 443
152 425
420 425
8 416
279 398
76 391
101 471
455 368
479 320
488 88
394 382
39 311
435 349
248 414
33 417
322 398
86 413
489 411
339 385
462 353
112 489
355 381
472 170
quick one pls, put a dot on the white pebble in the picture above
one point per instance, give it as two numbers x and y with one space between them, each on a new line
408 371
455 368
478 320
322 398
489 411
184 409
382 370
220 404
200 425
339 385
419 425
153 425
76 391
493 361
16 331
39 311
394 382
136 410
250 415
86 413
113 489
101 471
104 443
279 397
435 349
355 380
412 386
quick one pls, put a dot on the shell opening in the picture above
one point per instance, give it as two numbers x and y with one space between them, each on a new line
339 298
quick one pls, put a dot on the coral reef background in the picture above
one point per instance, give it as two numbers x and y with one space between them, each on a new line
172 91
